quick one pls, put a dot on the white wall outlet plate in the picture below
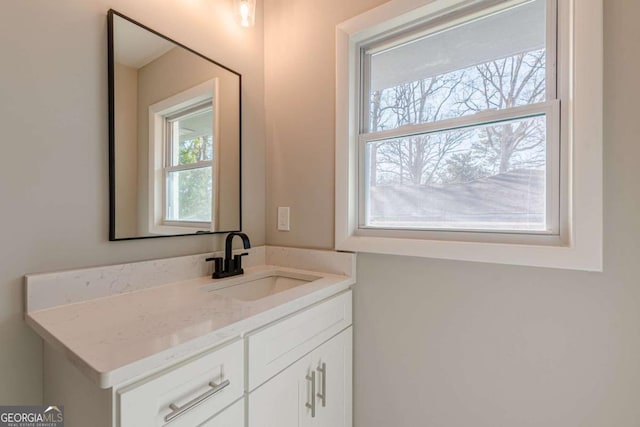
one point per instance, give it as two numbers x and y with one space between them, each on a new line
283 218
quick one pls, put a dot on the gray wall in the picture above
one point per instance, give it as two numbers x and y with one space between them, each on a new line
442 343
53 167
126 153
300 115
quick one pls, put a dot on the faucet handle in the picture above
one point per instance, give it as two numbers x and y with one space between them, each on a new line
217 264
237 262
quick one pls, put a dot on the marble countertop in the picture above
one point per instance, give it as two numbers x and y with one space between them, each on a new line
117 338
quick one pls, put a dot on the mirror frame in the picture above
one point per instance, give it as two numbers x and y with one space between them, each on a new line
112 145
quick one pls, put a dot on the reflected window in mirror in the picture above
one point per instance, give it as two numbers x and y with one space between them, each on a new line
184 152
189 170
174 143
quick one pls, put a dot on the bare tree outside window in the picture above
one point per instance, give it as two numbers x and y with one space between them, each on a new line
450 157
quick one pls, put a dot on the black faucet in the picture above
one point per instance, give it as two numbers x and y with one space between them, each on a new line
232 266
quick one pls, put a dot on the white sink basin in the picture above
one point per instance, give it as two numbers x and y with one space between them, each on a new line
260 287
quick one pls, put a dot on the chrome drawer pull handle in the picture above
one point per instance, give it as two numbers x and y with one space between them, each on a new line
179 410
312 405
323 394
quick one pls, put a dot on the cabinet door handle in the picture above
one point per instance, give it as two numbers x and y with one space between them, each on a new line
323 394
176 410
312 405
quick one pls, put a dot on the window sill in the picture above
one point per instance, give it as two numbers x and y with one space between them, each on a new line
558 256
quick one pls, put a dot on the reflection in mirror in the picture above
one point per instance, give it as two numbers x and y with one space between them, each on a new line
174 137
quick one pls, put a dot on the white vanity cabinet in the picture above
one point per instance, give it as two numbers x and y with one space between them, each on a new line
293 371
314 391
299 369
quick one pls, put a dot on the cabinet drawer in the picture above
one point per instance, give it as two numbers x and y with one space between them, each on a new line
187 395
233 416
273 348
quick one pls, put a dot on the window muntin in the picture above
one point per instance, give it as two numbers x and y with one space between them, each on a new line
462 95
189 164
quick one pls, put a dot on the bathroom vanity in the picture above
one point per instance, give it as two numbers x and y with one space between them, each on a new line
161 343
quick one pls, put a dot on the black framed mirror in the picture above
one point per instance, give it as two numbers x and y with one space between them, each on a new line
174 137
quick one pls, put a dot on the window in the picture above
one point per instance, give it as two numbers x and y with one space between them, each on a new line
189 158
458 126
183 161
458 130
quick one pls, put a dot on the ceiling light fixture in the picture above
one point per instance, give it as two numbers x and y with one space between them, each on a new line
246 10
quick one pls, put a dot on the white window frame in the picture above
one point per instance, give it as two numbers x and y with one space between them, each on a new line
169 167
158 153
578 243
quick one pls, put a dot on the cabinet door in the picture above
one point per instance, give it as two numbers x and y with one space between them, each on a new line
313 392
332 363
280 401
